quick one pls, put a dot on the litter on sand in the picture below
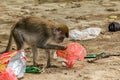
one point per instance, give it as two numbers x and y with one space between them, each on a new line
8 74
15 61
89 33
114 26
32 69
73 52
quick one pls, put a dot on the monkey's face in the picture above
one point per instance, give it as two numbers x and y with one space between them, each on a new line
59 35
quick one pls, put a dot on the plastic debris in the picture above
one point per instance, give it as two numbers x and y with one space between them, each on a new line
18 63
102 55
112 17
89 33
15 60
60 59
114 26
8 74
93 55
73 52
4 60
32 69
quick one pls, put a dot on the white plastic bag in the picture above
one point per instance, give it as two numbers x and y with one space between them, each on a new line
86 34
18 64
58 58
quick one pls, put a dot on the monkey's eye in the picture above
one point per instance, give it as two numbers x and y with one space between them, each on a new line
58 29
67 35
61 38
62 33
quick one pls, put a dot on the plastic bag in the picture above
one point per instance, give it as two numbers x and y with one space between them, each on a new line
86 34
8 74
114 26
32 69
18 64
4 59
15 60
73 52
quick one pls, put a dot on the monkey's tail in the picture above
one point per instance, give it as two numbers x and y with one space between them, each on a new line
8 45
10 41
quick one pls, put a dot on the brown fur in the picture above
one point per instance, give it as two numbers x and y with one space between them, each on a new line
38 33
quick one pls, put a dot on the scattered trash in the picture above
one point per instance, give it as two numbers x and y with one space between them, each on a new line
112 17
93 55
18 63
4 60
114 26
111 9
101 56
32 69
73 52
60 59
8 74
86 34
15 60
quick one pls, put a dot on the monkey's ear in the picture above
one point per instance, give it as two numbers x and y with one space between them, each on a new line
67 34
56 29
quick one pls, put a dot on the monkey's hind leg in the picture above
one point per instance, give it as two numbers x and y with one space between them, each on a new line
18 39
49 60
35 54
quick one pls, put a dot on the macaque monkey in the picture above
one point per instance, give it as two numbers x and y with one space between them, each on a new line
38 33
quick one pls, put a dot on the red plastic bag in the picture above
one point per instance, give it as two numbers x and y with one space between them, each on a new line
73 52
7 74
4 59
12 61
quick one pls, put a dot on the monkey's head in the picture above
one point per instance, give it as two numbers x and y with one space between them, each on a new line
60 33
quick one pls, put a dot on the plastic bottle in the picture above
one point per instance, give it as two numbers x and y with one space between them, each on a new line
86 34
93 55
32 69
114 26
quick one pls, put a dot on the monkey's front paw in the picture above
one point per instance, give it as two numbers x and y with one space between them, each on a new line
52 66
63 47
36 64
90 61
